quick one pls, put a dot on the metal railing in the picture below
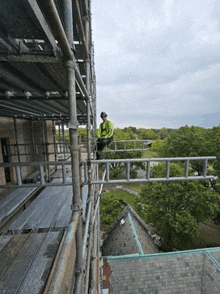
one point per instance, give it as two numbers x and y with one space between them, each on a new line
148 163
41 167
37 149
130 145
127 145
62 148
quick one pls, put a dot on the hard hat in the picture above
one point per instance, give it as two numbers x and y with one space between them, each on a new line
103 114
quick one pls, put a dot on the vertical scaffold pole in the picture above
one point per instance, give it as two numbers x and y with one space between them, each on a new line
73 132
45 150
63 143
93 91
54 142
59 133
92 236
16 140
32 141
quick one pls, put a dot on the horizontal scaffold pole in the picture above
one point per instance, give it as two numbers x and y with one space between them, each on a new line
148 162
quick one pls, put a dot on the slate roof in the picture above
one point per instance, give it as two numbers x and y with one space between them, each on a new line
128 235
183 272
132 264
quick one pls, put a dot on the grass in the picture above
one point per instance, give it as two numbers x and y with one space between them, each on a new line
136 186
112 207
127 197
210 234
149 154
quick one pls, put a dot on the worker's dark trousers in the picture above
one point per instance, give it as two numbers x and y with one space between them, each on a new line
101 143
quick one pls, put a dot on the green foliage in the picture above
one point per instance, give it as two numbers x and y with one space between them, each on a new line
157 145
164 133
123 135
59 136
176 170
175 209
112 206
188 142
149 154
83 133
214 138
145 134
117 168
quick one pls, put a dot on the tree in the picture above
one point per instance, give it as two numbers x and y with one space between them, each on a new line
111 208
214 138
164 133
117 168
145 134
157 145
125 134
175 209
83 133
188 142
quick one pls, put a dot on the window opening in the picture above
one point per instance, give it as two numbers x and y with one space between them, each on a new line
5 156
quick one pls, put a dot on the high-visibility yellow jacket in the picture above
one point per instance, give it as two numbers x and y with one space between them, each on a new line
106 130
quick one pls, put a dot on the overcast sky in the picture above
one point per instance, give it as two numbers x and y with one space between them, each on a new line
157 62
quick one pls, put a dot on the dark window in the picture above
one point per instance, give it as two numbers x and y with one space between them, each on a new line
5 156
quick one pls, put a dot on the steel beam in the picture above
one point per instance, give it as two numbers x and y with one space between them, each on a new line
57 29
81 29
36 14
61 37
12 75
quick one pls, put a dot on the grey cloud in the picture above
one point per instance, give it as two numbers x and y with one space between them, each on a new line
158 60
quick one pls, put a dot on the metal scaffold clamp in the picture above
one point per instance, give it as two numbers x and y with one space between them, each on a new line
72 126
76 207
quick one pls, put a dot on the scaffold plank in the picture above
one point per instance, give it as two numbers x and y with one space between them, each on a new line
38 272
51 209
13 201
26 262
9 252
4 240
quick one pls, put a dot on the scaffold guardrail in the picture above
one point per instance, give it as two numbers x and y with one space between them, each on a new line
41 166
128 145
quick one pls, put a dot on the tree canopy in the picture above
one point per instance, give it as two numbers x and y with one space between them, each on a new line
175 209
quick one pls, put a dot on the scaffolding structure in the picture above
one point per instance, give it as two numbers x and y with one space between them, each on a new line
47 74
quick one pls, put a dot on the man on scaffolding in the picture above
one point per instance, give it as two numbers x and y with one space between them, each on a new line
105 135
